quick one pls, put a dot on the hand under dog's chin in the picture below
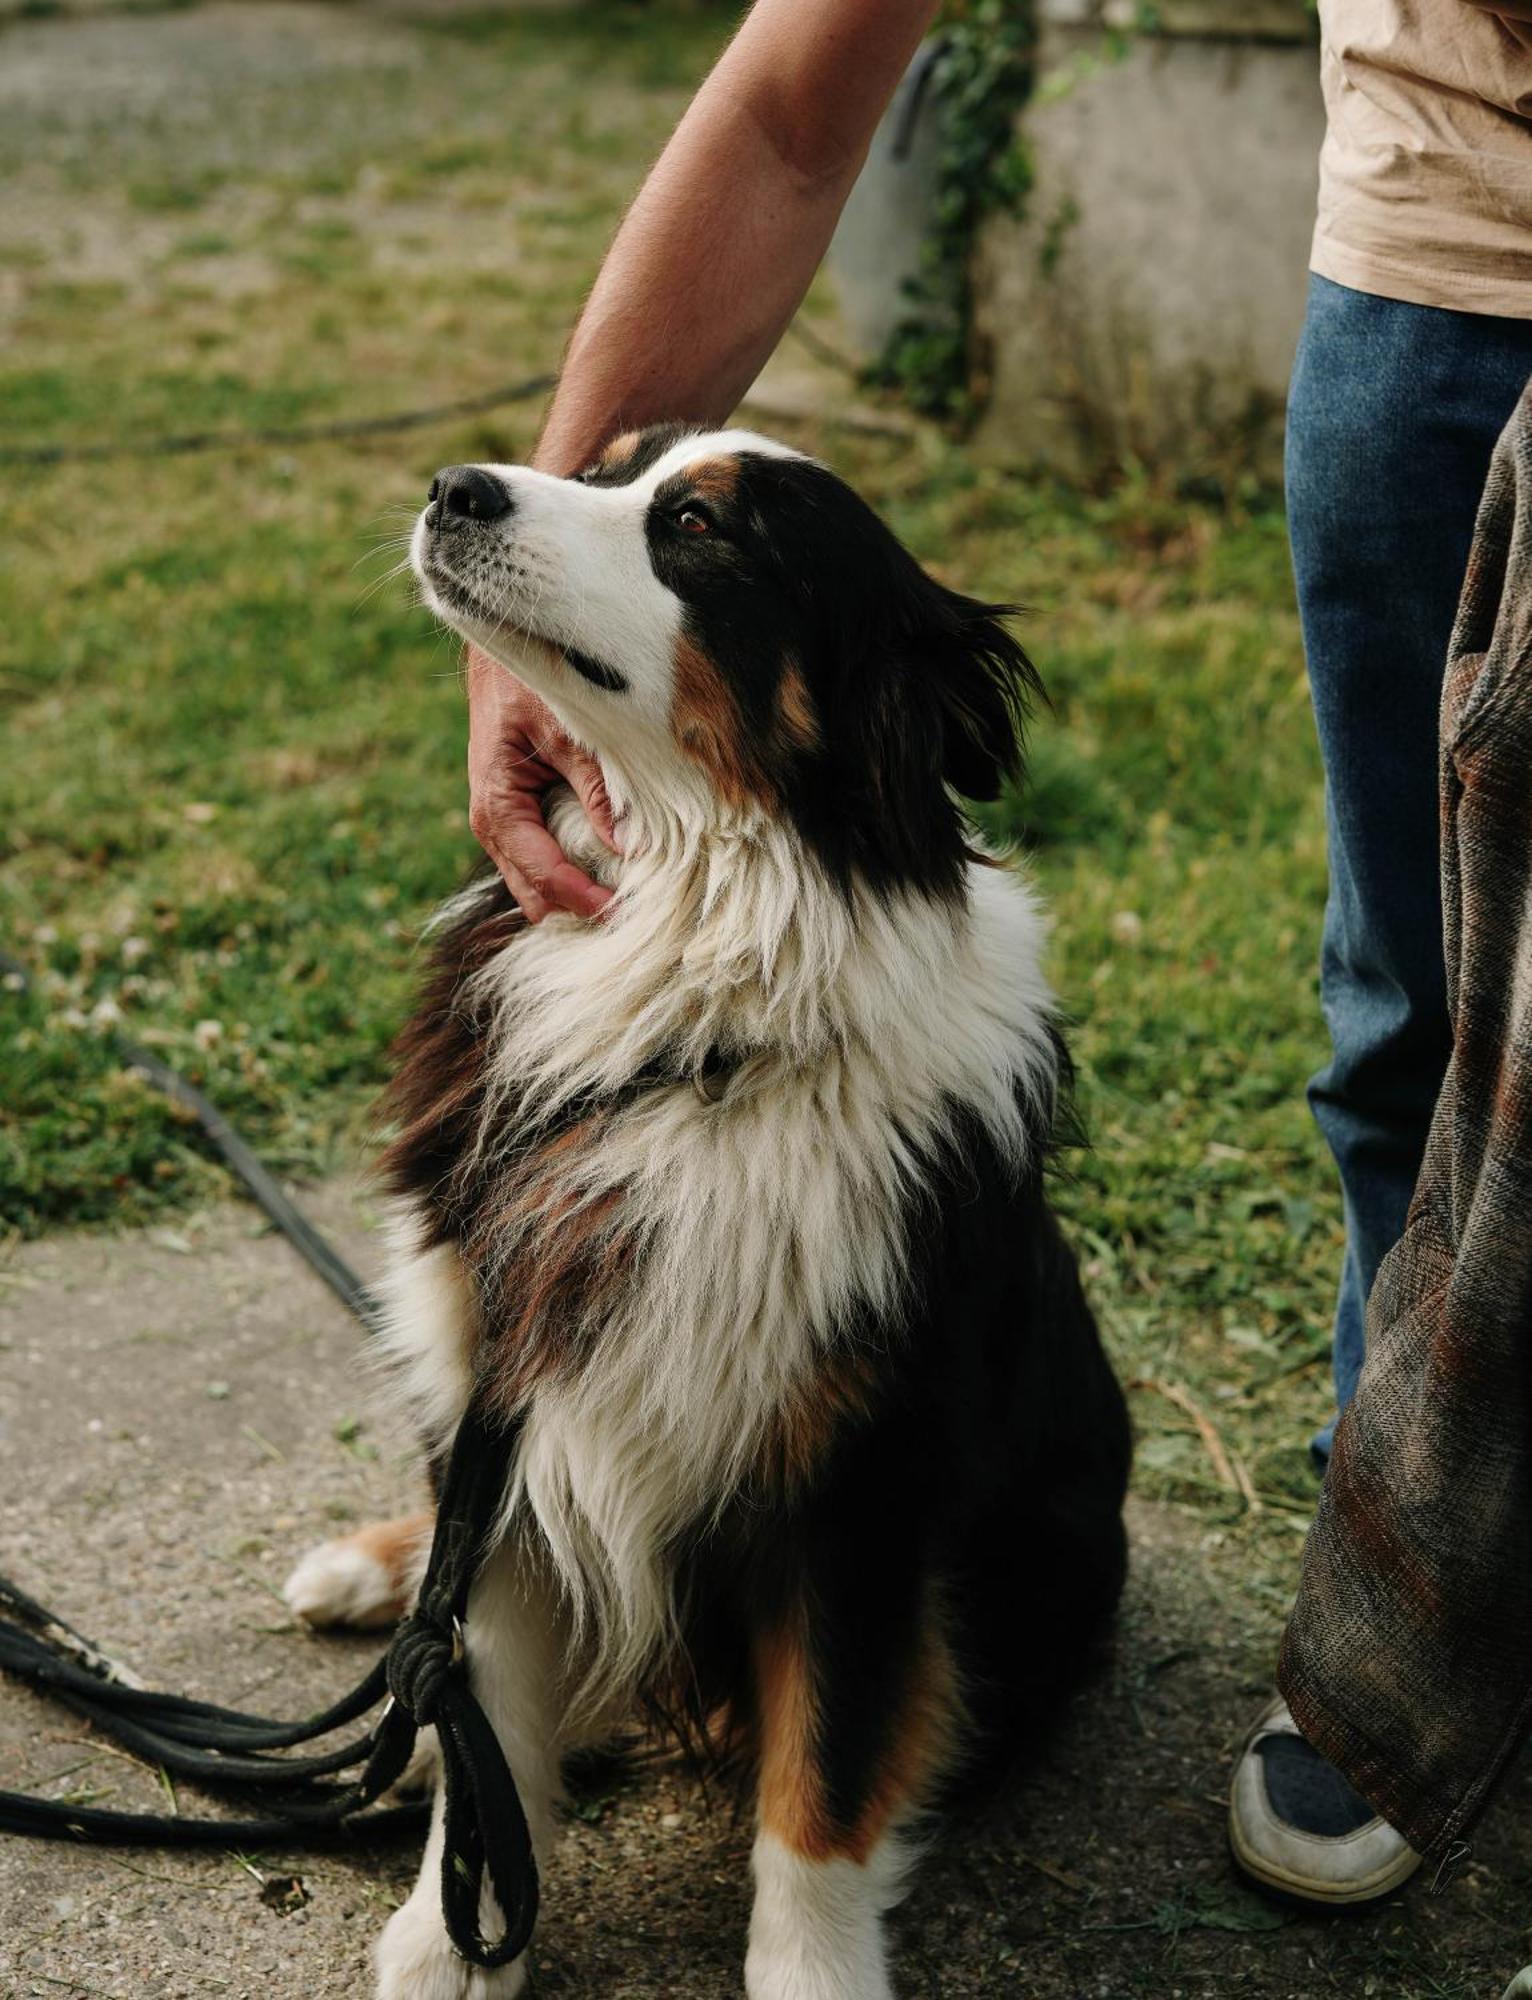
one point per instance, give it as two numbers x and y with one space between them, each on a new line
580 841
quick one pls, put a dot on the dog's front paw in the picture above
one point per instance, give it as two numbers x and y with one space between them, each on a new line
416 1961
777 1976
340 1583
365 1579
816 1931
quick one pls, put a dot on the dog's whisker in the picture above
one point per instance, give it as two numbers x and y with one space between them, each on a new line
395 570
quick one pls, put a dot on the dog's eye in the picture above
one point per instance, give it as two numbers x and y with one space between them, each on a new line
694 520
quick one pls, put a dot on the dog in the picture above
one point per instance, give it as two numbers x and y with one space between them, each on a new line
737 1195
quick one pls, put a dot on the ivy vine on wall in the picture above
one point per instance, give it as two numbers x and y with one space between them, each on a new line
980 77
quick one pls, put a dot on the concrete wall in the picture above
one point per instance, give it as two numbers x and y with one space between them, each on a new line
1148 302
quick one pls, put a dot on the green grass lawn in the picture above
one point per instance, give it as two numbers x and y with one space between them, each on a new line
232 780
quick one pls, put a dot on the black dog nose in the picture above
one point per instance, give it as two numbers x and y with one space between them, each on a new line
469 491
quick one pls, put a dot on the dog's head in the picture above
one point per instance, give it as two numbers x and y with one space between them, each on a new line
735 633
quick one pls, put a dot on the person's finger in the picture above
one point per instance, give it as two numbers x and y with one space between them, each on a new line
531 850
516 749
583 775
572 889
590 789
532 906
487 827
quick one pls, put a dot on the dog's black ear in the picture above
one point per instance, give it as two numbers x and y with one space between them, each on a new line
986 689
982 683
922 692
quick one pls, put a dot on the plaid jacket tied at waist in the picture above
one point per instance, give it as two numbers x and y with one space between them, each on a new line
1408 1659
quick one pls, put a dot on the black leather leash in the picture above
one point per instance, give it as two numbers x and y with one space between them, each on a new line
427 1670
424 1676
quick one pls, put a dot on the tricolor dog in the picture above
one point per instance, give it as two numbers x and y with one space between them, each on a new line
737 1195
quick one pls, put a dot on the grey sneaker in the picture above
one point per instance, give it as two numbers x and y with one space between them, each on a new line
1295 1825
1520 1987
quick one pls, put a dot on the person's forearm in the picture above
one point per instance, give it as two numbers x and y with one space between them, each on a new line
719 248
696 291
710 265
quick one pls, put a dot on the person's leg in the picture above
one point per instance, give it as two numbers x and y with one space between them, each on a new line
1393 414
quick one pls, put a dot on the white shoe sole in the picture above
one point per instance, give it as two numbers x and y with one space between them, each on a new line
1308 1889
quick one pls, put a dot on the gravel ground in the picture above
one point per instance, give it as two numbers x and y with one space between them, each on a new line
185 1411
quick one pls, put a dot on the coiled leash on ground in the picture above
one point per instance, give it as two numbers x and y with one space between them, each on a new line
423 1676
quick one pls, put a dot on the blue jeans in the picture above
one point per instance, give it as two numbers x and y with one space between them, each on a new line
1394 411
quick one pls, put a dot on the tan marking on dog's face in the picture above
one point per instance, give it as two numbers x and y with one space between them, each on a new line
715 480
620 448
707 724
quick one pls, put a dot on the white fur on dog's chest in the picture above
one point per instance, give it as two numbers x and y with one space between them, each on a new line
760 1224
767 1220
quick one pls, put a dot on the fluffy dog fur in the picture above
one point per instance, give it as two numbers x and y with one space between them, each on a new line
737 1193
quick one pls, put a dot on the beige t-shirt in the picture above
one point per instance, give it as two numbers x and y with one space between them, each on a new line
1425 178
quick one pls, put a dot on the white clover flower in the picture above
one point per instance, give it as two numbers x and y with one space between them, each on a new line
208 1034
